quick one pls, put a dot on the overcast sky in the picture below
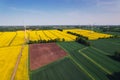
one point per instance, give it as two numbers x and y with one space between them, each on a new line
59 12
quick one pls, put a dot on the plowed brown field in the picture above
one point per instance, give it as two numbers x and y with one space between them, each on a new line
43 54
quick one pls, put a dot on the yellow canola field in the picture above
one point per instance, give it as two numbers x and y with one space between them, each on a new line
8 57
33 35
1 33
52 34
22 71
49 34
6 38
88 33
61 35
42 35
19 39
67 35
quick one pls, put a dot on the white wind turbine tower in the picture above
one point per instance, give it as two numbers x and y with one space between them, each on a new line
25 34
91 26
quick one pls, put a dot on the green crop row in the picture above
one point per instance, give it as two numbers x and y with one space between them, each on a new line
107 45
65 69
89 68
103 60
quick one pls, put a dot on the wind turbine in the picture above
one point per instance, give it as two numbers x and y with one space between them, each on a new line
25 34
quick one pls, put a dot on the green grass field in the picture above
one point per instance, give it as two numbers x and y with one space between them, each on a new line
83 63
91 69
94 60
113 33
64 69
109 46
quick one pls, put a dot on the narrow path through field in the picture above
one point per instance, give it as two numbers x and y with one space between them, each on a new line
87 57
83 48
17 63
83 69
12 39
115 43
100 50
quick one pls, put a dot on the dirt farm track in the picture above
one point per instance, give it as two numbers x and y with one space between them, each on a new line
43 54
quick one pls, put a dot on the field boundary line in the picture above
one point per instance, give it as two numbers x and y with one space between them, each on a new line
46 34
115 43
95 62
17 63
84 48
76 62
12 39
82 68
53 34
100 50
66 35
36 32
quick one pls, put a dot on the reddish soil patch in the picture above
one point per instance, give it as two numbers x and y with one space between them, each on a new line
42 54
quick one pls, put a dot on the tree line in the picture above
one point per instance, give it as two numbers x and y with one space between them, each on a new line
46 41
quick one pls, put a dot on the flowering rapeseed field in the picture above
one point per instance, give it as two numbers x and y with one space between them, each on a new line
11 44
22 71
19 39
6 38
8 57
91 35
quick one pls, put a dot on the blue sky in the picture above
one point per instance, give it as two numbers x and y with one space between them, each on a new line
59 12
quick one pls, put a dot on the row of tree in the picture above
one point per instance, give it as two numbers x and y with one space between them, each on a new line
83 41
80 39
60 29
45 41
77 35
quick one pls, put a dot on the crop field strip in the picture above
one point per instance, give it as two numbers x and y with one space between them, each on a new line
91 62
65 36
22 71
33 36
51 36
43 54
68 35
96 72
17 63
47 35
6 38
54 34
57 33
19 39
91 35
42 35
8 60
59 70
107 46
51 31
109 64
39 37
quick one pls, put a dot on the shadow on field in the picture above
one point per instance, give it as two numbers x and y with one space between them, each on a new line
114 76
114 58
